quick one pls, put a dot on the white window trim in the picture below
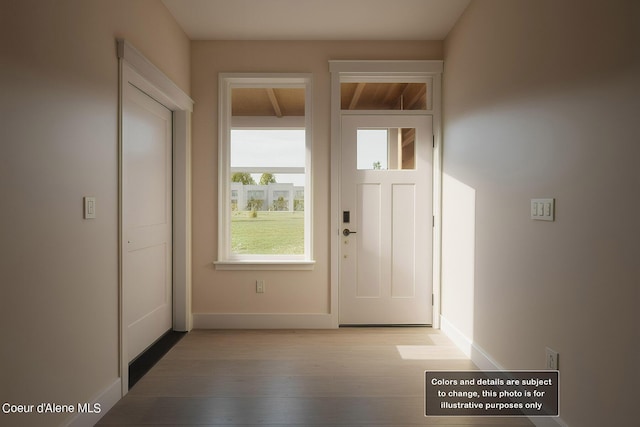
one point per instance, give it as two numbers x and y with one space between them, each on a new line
227 82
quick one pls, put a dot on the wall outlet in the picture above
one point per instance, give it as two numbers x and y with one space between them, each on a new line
551 359
259 286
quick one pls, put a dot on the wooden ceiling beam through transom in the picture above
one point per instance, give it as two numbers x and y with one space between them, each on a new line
274 102
286 102
383 96
356 95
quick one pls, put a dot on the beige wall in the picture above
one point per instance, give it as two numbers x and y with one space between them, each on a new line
286 292
59 86
541 100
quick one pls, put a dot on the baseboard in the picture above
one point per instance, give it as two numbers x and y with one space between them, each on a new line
106 400
485 362
548 422
455 335
261 321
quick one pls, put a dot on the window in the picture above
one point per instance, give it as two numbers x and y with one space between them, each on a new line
264 171
362 95
386 149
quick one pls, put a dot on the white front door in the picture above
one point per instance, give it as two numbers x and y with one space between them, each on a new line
386 214
146 220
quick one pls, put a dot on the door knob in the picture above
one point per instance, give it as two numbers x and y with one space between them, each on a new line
346 232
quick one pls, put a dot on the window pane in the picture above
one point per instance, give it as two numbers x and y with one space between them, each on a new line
267 148
270 233
384 149
384 96
267 196
373 148
275 101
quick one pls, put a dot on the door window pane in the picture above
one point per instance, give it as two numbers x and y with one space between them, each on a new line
385 149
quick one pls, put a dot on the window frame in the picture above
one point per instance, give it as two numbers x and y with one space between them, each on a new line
226 83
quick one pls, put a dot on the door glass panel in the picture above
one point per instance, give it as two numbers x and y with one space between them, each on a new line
386 149
384 96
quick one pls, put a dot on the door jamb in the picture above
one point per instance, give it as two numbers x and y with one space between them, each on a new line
134 68
391 71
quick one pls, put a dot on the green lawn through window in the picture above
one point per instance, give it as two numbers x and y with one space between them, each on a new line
269 233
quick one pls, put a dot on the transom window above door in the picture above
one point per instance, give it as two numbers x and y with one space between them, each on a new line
383 96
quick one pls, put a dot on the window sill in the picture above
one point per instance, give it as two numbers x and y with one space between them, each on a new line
265 265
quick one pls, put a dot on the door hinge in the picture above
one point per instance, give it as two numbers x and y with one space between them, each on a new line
433 221
431 299
433 141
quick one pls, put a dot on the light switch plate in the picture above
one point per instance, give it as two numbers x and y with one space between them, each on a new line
543 209
89 207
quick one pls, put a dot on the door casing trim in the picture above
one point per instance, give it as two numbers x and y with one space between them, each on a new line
147 77
342 71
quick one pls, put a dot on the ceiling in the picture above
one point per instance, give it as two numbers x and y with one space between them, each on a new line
316 19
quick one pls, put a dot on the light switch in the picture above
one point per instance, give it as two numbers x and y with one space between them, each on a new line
543 209
89 207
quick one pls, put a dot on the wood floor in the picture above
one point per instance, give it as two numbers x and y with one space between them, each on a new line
344 377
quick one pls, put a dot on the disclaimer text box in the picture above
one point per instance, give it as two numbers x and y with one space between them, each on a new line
492 393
